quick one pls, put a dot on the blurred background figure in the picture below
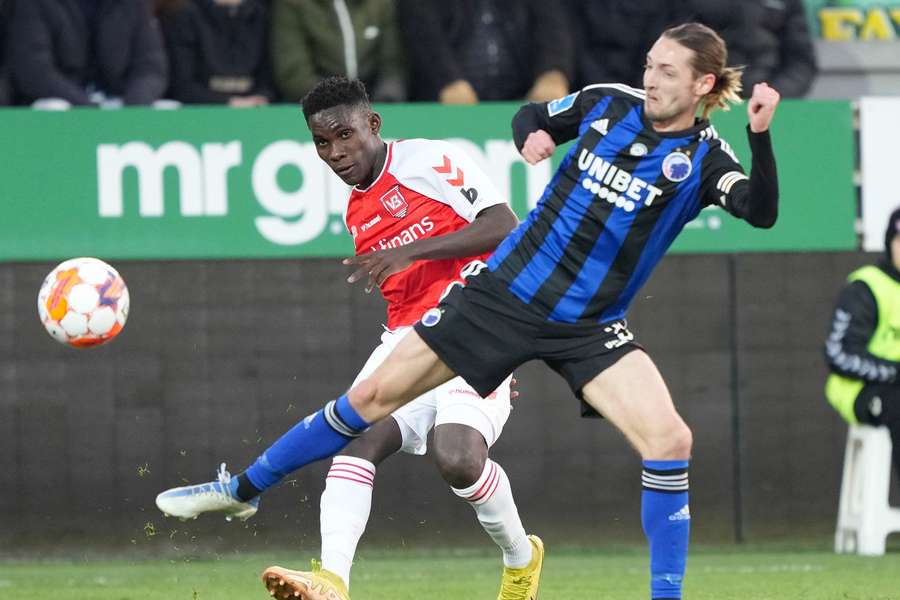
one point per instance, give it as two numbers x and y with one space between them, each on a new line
314 39
782 52
464 51
5 88
218 51
863 347
613 36
86 52
769 37
730 19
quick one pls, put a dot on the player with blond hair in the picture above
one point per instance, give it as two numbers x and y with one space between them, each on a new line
642 165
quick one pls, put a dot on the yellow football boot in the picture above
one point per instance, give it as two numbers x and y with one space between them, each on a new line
318 584
522 584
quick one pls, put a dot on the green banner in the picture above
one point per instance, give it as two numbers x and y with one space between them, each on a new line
225 183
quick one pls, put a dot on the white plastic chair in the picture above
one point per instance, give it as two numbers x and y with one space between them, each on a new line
864 516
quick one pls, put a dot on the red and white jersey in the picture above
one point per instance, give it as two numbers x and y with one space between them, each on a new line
425 189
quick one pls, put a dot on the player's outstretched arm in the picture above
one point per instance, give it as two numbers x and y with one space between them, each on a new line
482 235
756 201
763 202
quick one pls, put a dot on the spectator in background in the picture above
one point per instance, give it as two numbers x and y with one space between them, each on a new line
781 52
218 51
769 37
464 51
87 52
613 36
5 88
863 347
314 39
730 19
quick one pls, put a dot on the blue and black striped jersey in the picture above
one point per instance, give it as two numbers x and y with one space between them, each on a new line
619 198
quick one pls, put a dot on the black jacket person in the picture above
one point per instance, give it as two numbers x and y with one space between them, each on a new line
65 48
863 346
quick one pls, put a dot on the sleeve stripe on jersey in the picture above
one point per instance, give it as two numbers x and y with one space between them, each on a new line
727 181
621 87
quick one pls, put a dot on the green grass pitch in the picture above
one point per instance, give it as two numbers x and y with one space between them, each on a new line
724 573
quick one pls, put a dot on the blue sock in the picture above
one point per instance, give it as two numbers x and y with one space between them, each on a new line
667 524
320 435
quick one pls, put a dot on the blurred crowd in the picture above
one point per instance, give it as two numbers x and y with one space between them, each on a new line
109 53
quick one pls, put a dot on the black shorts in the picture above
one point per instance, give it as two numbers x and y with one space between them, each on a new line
483 332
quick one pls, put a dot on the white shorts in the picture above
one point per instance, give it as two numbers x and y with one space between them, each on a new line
452 402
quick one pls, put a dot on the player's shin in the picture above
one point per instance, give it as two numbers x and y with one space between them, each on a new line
666 518
491 497
320 435
345 507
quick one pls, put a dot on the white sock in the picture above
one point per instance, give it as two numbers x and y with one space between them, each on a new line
345 506
491 497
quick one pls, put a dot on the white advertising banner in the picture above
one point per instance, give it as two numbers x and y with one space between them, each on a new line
879 132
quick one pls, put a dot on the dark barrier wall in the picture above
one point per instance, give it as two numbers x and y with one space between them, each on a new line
219 358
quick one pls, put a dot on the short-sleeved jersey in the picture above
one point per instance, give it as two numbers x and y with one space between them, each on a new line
425 189
619 198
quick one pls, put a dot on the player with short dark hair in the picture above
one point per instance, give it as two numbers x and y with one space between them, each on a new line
422 215
642 166
336 91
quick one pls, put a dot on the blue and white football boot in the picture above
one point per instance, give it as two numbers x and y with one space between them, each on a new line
188 502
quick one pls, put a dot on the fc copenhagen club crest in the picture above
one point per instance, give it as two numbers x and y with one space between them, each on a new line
677 166
394 202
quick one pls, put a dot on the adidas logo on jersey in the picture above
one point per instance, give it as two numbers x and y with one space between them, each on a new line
613 184
601 126
682 515
407 236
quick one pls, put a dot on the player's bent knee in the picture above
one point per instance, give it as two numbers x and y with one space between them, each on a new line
365 398
460 467
373 398
363 393
683 442
674 444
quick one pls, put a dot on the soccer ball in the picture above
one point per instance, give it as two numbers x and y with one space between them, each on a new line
83 302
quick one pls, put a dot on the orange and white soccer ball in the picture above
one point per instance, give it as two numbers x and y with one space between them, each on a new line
83 302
